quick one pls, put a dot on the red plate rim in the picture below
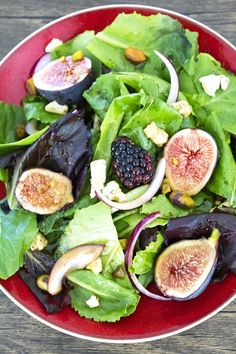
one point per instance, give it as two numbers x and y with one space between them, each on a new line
3 289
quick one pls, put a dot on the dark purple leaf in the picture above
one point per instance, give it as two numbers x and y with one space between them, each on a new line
38 263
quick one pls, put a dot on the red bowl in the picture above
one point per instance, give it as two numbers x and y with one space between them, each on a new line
153 319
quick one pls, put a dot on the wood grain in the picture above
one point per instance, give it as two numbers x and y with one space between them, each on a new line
19 333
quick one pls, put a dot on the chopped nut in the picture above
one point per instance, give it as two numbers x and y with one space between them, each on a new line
183 107
55 42
30 87
157 135
135 55
39 243
95 266
165 186
92 301
20 131
79 55
182 199
54 107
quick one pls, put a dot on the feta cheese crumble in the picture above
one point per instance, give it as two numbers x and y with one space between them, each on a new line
39 243
54 107
53 44
113 192
95 266
157 135
183 107
98 176
92 302
211 83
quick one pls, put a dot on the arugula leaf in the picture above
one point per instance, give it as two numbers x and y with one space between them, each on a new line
115 301
158 32
17 231
223 104
79 42
34 108
12 119
143 261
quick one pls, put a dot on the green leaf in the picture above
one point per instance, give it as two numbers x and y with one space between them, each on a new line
34 108
29 140
154 110
17 231
143 261
223 104
223 180
11 119
79 42
101 94
115 301
161 203
147 33
4 175
111 124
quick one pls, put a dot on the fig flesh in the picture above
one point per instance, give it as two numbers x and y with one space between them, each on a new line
64 80
191 156
185 268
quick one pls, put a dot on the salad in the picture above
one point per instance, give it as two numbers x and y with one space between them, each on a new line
119 169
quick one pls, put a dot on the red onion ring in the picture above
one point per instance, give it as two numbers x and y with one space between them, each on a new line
129 256
174 80
145 197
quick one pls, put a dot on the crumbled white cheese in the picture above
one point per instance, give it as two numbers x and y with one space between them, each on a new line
92 302
224 82
157 135
53 44
98 175
183 107
54 107
211 83
39 243
31 127
95 266
113 192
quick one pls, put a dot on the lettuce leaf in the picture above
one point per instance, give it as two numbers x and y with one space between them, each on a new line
34 108
94 225
115 301
17 231
143 261
154 110
11 119
79 42
168 210
223 104
147 33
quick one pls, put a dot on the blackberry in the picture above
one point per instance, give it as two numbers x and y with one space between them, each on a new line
132 164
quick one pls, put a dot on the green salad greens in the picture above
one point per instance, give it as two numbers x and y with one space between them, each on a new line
124 98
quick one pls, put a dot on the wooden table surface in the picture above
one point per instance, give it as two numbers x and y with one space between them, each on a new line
19 333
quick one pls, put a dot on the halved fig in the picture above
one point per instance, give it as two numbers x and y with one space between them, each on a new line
185 268
64 80
42 191
191 156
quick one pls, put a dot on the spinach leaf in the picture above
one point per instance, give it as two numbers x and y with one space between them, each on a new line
12 123
17 231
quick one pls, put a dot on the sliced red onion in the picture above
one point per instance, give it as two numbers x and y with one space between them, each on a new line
44 60
145 197
174 80
129 256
